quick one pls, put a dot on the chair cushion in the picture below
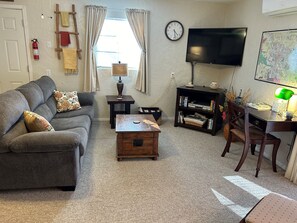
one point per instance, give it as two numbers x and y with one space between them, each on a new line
273 208
66 101
36 123
255 134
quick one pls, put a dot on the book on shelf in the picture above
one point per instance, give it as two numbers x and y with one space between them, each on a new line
186 101
193 104
195 119
210 124
180 118
183 101
212 105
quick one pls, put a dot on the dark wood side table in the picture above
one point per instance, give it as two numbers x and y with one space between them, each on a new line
112 101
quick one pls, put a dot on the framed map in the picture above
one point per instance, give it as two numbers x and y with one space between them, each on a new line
277 59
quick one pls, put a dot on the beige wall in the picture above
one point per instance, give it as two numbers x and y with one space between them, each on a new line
165 56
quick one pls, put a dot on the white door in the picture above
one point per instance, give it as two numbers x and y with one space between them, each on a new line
14 69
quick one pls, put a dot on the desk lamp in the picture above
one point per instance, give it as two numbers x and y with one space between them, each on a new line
285 94
292 105
119 69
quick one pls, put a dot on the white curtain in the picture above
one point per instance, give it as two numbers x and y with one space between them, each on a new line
95 16
138 20
291 172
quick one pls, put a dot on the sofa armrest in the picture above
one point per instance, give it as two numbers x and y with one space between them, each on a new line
41 142
85 98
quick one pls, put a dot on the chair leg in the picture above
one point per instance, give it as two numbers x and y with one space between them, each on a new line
260 158
243 156
253 147
228 143
274 152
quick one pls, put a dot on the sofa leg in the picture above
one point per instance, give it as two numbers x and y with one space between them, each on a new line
67 188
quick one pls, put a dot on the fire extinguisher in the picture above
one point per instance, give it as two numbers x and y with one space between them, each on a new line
35 49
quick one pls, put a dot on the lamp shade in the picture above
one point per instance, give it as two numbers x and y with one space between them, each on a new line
119 69
292 105
283 93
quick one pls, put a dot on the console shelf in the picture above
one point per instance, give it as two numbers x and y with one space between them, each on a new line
198 108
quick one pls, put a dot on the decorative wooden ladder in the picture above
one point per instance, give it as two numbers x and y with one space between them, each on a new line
59 49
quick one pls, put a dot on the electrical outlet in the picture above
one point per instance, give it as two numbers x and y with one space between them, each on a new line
172 75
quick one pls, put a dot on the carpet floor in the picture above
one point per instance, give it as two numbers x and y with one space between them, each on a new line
190 182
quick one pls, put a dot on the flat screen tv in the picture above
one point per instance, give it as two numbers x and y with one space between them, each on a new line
222 46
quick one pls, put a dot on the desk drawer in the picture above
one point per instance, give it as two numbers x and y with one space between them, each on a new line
259 123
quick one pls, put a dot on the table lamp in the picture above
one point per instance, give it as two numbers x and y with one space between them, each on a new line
285 94
292 105
120 70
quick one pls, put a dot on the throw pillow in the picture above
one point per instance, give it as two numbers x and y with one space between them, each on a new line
36 123
66 101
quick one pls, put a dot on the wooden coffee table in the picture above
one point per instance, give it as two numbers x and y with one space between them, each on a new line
137 136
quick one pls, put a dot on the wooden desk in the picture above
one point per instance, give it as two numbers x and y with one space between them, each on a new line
270 121
112 100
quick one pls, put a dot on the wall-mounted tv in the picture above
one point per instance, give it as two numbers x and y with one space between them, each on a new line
222 46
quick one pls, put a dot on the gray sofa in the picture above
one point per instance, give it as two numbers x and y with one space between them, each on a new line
42 159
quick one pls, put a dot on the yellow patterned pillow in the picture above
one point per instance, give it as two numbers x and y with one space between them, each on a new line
36 123
66 101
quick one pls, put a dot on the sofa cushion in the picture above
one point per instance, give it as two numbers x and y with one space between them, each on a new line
52 104
44 111
86 98
70 123
15 103
32 93
85 110
47 86
66 101
36 123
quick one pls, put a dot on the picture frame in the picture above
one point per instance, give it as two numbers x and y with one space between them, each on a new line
277 58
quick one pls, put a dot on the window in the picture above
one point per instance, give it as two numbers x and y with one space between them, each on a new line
117 43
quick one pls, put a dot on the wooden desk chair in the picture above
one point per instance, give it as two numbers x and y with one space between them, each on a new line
241 129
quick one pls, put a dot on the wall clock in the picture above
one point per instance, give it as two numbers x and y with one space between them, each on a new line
174 30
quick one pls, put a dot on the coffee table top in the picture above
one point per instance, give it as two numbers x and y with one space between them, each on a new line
113 99
136 123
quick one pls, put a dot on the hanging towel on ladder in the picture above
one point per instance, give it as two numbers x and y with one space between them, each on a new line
65 38
70 60
65 19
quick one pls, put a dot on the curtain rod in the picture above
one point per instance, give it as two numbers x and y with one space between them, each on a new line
116 9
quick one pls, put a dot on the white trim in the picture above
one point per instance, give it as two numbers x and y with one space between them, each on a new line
26 33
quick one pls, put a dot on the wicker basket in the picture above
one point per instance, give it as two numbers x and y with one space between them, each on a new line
155 111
